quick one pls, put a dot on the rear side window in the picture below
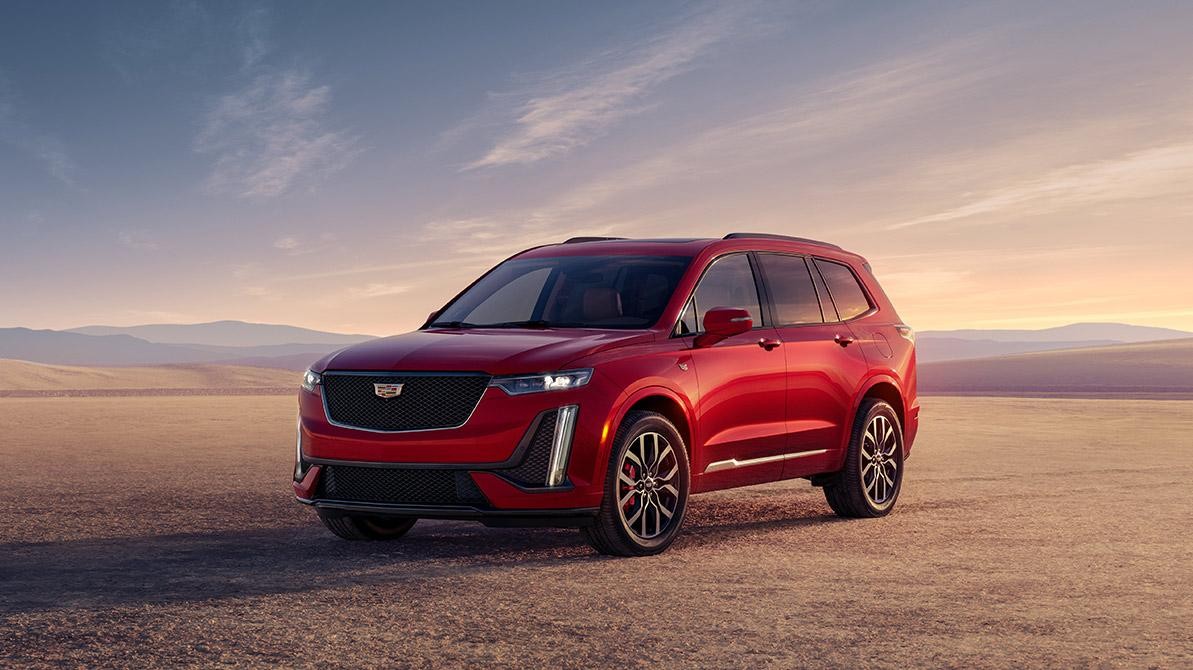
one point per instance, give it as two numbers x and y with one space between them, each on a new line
847 294
791 289
729 282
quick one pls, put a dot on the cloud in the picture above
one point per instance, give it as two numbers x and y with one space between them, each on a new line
271 136
295 246
1147 173
253 35
817 117
181 40
378 290
137 239
569 108
17 132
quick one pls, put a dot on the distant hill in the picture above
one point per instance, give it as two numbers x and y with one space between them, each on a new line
25 378
51 346
296 362
930 349
943 345
1164 367
224 334
101 345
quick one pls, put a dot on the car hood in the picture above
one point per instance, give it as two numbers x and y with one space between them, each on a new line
490 350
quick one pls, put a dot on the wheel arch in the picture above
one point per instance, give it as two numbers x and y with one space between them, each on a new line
658 399
887 390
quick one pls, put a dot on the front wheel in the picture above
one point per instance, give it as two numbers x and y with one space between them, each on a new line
646 489
354 527
870 482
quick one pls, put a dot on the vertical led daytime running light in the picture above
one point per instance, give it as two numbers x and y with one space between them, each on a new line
561 444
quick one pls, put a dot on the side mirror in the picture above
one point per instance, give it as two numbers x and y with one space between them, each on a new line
723 322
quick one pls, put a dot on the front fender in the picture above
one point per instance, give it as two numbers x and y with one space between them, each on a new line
631 397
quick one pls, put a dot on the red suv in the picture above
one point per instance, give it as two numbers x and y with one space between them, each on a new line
599 382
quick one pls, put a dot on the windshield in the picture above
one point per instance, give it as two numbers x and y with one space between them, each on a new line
568 292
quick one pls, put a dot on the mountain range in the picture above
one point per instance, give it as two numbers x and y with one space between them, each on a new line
292 348
949 345
1156 369
224 334
226 342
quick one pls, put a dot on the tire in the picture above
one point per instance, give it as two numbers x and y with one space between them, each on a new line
639 491
857 491
351 527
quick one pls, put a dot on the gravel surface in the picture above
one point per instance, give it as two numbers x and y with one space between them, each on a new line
160 531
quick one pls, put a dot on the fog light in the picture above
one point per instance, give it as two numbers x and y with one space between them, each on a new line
561 444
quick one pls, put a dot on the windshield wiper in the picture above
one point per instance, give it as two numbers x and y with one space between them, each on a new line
453 324
531 323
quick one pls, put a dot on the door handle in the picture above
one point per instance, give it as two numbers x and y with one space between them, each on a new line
843 340
768 343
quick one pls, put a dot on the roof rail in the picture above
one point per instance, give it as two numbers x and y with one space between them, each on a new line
772 236
578 240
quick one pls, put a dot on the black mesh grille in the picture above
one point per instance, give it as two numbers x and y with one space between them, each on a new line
425 402
533 469
403 486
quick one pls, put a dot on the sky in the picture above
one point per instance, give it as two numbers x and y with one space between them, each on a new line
351 166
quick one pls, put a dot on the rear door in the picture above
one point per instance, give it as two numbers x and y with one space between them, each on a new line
824 364
741 413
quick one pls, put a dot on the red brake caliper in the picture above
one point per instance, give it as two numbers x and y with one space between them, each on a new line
632 473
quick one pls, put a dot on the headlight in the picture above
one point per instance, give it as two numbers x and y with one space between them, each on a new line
556 381
310 380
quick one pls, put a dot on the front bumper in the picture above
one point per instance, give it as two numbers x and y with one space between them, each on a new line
555 518
494 450
310 492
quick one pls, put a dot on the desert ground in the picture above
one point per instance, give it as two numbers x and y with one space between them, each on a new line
151 531
25 379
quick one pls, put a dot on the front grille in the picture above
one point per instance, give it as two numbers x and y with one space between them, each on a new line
427 401
532 471
400 486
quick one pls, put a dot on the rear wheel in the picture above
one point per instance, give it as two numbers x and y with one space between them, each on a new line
646 489
352 527
870 482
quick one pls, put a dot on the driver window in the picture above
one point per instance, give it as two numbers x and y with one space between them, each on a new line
729 282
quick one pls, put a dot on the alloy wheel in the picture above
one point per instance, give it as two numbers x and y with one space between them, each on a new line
647 495
879 462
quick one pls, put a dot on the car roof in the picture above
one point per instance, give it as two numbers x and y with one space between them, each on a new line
689 247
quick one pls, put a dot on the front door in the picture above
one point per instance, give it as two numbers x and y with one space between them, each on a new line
741 412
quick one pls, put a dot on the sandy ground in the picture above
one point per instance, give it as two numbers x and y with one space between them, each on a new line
25 379
160 531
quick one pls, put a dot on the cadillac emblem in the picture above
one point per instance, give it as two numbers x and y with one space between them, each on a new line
387 390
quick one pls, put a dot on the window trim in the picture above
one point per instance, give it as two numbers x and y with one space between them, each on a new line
861 284
759 290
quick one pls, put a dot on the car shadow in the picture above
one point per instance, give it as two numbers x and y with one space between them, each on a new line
185 567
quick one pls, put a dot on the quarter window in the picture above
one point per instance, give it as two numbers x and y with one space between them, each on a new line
729 282
848 295
791 288
687 322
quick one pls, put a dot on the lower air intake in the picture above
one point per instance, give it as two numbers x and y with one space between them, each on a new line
399 486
